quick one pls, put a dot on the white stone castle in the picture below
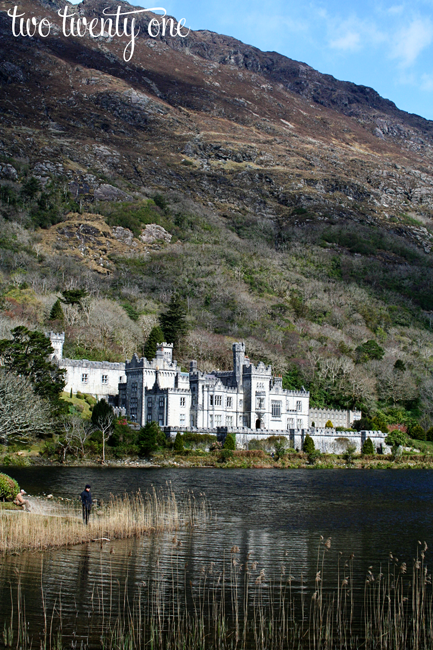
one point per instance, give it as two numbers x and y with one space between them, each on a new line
247 401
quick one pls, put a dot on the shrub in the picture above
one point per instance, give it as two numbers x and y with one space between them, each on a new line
368 448
396 439
329 425
178 443
230 442
429 434
309 445
249 453
314 456
225 455
199 440
149 438
9 488
348 455
417 433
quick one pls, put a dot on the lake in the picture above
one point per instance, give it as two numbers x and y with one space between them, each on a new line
278 516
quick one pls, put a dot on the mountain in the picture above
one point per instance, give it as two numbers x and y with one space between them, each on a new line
299 206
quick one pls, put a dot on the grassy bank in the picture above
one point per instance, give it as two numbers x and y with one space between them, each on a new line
119 518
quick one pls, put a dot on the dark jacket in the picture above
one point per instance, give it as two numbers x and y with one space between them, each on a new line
86 499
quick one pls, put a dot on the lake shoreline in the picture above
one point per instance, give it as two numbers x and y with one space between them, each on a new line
295 461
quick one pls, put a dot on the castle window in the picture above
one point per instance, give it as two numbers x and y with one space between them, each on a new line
105 379
193 400
210 400
161 420
299 406
134 402
120 379
229 402
218 400
149 402
276 409
84 378
260 384
161 402
182 419
218 420
290 423
211 421
149 417
182 401
229 420
260 403
134 387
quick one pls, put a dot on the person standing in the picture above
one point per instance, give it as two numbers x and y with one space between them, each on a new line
86 501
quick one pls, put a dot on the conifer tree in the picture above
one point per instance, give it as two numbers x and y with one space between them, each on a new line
368 448
178 443
230 442
74 297
156 336
56 312
27 355
308 446
173 322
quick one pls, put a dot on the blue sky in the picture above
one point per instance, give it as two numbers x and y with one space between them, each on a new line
387 45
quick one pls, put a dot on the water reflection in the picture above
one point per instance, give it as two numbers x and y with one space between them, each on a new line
275 516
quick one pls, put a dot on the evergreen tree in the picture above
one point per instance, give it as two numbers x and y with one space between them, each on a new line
309 445
173 322
27 355
56 312
156 336
74 297
101 410
368 448
230 442
178 443
329 425
150 437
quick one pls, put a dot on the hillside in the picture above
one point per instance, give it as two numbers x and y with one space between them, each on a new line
290 209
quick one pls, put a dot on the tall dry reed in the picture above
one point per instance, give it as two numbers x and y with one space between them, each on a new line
119 518
231 605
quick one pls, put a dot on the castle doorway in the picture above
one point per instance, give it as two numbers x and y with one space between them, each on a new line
258 423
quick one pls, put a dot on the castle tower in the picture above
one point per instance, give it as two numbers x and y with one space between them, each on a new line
164 353
238 362
57 341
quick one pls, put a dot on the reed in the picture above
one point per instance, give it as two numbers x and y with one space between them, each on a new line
120 517
234 606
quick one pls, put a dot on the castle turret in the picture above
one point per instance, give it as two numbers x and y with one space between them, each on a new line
164 353
57 342
238 362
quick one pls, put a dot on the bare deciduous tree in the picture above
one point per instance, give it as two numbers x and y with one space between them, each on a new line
76 432
22 413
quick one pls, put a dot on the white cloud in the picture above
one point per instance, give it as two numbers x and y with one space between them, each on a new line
351 41
395 10
410 41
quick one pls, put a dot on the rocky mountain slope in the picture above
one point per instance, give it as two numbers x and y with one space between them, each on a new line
295 209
